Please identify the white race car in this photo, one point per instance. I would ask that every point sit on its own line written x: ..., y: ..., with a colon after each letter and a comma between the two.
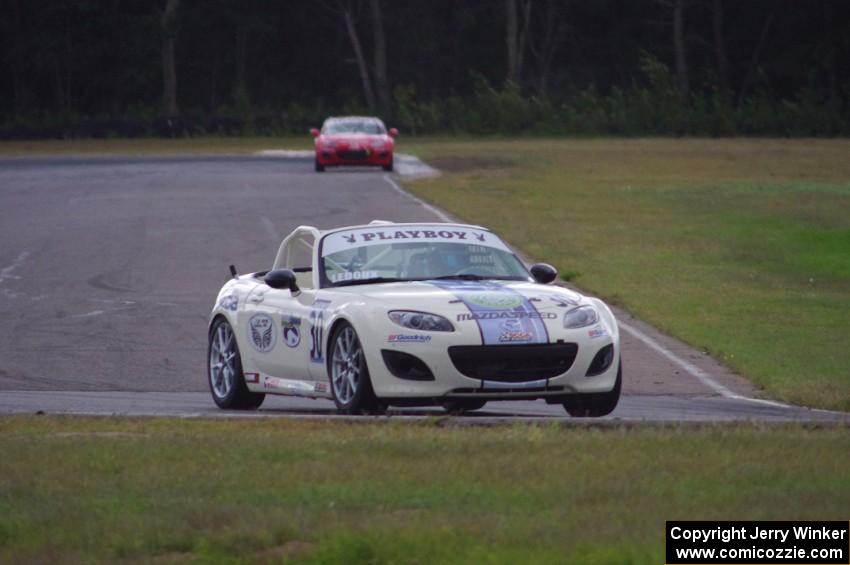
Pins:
x: 410, y: 314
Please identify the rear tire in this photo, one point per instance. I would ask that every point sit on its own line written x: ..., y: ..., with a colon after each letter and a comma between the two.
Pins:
x: 224, y: 371
x: 596, y: 404
x: 319, y: 167
x: 459, y: 407
x: 350, y: 383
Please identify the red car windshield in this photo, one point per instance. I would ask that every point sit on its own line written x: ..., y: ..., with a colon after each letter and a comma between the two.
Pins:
x: 370, y: 127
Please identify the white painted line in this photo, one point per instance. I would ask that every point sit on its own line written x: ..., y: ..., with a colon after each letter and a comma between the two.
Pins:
x: 6, y: 272
x: 436, y: 211
x: 285, y: 153
x: 692, y: 369
x: 89, y: 314
x: 270, y: 229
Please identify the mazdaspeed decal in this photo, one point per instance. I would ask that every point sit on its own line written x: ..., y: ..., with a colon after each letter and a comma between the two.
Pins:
x: 504, y: 316
x: 261, y: 332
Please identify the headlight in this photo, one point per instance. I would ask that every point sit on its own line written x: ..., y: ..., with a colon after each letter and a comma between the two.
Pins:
x: 580, y: 317
x: 328, y: 143
x: 421, y: 321
x: 378, y: 145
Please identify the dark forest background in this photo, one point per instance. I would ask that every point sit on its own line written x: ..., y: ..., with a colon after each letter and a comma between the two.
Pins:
x: 103, y: 68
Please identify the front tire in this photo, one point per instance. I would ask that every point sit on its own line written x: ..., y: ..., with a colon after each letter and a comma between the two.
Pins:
x: 389, y: 167
x: 597, y: 404
x: 320, y: 168
x: 224, y: 371
x: 350, y: 383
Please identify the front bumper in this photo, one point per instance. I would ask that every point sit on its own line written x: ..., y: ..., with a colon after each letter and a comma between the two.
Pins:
x: 472, y: 376
x: 362, y: 157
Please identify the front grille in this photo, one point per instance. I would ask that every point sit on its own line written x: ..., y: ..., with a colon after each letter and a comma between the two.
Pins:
x: 513, y: 363
x: 353, y: 154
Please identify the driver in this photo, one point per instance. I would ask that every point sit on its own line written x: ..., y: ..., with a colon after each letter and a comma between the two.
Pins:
x: 439, y: 260
x: 454, y: 259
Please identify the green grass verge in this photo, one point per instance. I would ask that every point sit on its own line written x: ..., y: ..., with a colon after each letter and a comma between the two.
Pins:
x: 739, y: 247
x: 108, y: 490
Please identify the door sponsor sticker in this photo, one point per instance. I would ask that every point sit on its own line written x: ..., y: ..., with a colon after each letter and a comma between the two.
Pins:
x: 229, y: 302
x: 261, y: 332
x: 291, y: 329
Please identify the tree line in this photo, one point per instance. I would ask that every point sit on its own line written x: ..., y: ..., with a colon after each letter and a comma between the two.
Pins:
x: 636, y: 67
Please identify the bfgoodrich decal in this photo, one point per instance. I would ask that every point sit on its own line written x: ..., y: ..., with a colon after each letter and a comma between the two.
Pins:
x: 408, y: 338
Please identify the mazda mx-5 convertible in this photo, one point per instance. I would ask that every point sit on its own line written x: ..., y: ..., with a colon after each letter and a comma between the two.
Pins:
x: 410, y: 315
x: 354, y: 141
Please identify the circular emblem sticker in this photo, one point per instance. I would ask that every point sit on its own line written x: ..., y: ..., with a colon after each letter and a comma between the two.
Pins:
x: 261, y: 332
x: 494, y: 300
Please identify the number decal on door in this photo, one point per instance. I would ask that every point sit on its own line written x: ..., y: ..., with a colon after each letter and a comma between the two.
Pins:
x: 317, y: 330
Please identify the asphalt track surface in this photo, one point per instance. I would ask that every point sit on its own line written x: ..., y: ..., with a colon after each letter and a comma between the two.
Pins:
x: 109, y: 267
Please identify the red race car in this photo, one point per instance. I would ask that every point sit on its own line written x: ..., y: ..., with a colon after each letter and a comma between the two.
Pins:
x: 354, y: 141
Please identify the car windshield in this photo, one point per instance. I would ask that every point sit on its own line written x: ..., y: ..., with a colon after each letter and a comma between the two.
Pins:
x: 372, y: 127
x: 413, y: 252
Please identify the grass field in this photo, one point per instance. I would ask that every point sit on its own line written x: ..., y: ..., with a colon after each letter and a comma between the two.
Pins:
x: 739, y: 247
x: 166, y: 491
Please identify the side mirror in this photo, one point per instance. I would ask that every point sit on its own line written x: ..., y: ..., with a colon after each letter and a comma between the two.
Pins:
x: 393, y: 132
x: 314, y: 132
x: 543, y: 273
x: 281, y: 278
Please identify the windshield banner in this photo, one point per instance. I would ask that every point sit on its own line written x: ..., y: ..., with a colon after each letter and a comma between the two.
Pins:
x: 378, y: 235
x: 504, y: 316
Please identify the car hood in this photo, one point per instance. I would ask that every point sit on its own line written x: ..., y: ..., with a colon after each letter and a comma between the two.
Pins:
x: 461, y: 296
x: 356, y: 137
